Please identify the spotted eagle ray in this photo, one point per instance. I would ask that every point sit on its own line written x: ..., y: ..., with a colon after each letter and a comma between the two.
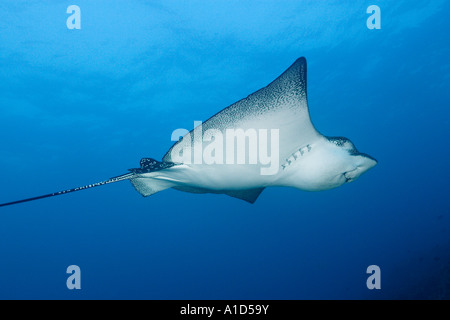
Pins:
x: 307, y: 160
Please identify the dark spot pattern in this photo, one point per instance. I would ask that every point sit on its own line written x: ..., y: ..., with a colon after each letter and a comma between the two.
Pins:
x: 151, y: 165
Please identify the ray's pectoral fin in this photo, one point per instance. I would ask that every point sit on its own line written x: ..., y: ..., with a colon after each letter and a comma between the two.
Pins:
x: 148, y: 185
x: 250, y: 195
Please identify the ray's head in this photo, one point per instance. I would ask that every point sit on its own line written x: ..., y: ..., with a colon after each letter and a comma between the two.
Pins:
x: 326, y: 164
x: 354, y: 163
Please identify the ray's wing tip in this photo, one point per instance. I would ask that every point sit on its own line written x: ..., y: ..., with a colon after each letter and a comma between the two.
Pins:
x: 298, y: 67
x: 300, y: 61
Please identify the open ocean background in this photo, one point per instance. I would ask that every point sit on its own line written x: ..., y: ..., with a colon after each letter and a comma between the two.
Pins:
x: 80, y: 106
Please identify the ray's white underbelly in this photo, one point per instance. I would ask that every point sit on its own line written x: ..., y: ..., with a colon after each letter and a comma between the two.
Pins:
x: 216, y: 177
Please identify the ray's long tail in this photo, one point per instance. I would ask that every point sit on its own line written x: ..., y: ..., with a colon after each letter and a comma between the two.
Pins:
x: 102, y: 183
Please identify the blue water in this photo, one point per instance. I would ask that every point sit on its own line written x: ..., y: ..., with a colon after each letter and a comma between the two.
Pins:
x: 80, y: 106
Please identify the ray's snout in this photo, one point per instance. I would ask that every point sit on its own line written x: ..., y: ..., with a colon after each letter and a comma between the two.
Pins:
x: 368, y: 161
x: 364, y: 163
